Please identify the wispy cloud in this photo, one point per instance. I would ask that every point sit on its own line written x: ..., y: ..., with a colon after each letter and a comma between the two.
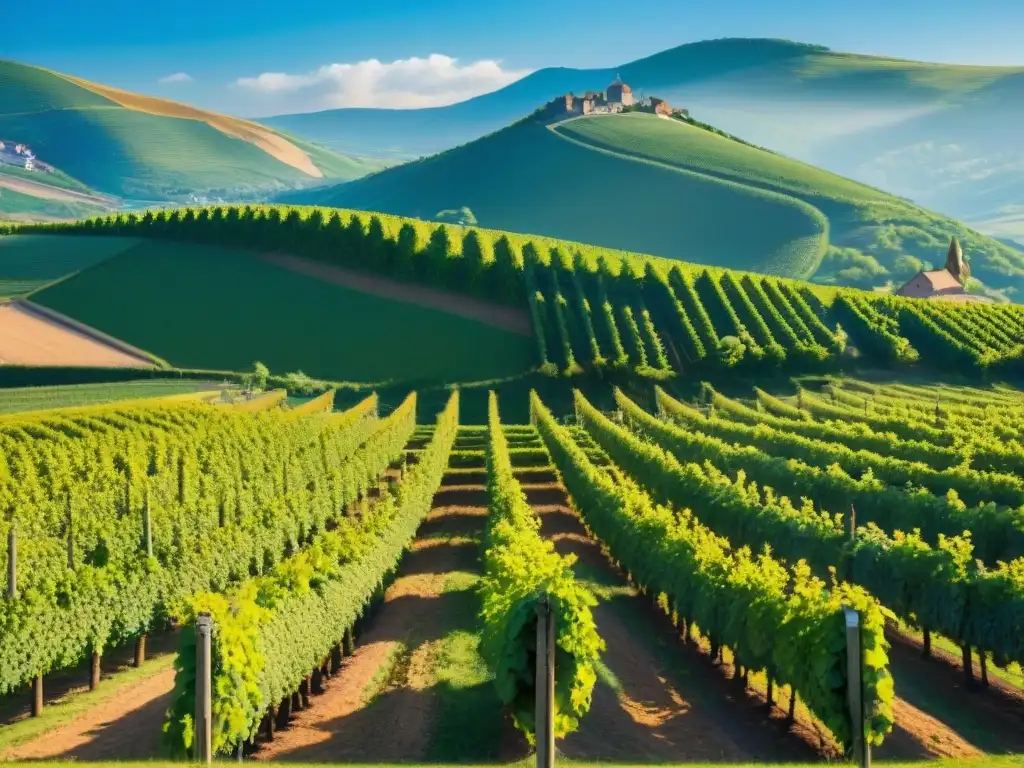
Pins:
x: 177, y: 77
x: 433, y: 81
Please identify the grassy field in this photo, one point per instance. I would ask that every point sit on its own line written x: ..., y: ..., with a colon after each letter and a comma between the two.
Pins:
x: 144, y: 148
x: 642, y: 183
x: 687, y: 146
x: 16, y: 206
x: 52, y: 178
x: 203, y: 307
x: 19, y: 399
x: 28, y: 262
x: 527, y: 179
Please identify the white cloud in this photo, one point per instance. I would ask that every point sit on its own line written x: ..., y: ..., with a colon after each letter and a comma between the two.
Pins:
x: 177, y: 77
x: 433, y: 81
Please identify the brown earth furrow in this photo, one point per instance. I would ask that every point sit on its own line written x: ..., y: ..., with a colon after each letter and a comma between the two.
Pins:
x: 124, y: 727
x: 29, y: 338
x: 916, y: 735
x: 655, y: 710
x: 506, y: 318
x: 382, y: 706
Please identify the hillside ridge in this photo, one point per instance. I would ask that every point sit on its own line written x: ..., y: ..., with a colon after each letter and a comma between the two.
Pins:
x: 145, y: 148
x: 849, y: 234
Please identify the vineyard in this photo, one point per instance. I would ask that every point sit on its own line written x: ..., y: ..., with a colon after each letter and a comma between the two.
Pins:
x: 596, y: 310
x: 743, y: 531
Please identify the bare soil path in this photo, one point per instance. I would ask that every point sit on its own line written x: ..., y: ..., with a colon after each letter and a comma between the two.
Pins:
x: 680, y: 707
x: 28, y: 338
x: 933, y: 717
x: 391, y: 701
x: 48, y: 192
x: 14, y: 707
x: 506, y: 318
x: 658, y: 701
x: 947, y: 717
x: 126, y: 726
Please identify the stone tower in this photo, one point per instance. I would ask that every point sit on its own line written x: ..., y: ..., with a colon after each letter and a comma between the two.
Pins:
x: 955, y: 263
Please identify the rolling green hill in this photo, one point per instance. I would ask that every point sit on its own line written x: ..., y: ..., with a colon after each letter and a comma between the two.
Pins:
x: 528, y: 178
x: 215, y: 308
x: 18, y: 206
x: 184, y: 295
x: 28, y: 262
x: 943, y: 135
x: 642, y: 183
x: 143, y: 148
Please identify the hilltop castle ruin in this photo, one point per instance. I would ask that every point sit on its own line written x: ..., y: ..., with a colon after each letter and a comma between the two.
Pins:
x: 614, y: 99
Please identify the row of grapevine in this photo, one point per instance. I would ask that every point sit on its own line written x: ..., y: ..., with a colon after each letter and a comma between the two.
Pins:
x: 997, y: 395
x: 774, y: 320
x: 780, y: 620
x: 993, y: 497
x: 1004, y: 418
x: 853, y: 435
x: 939, y: 588
x: 964, y: 424
x: 672, y: 315
x: 914, y: 430
x: 119, y: 542
x: 272, y: 630
x: 782, y: 325
x: 720, y: 309
x: 751, y: 318
x: 520, y: 569
x: 834, y: 478
x: 582, y: 306
x: 324, y: 402
x: 970, y: 337
x: 873, y: 331
x: 975, y: 446
x: 682, y: 286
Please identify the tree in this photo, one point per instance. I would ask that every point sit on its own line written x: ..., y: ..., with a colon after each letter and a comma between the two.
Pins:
x: 258, y: 378
x: 477, y: 256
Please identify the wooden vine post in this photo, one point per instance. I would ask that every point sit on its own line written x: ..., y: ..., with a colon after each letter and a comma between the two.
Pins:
x: 12, y: 563
x: 95, y: 669
x: 71, y: 532
x: 147, y: 542
x: 12, y: 594
x: 861, y: 750
x: 37, y: 696
x: 545, y: 685
x: 204, y: 699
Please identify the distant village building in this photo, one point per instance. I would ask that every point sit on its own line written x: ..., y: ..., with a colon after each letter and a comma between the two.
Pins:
x: 620, y: 93
x: 945, y: 284
x: 615, y: 99
x: 20, y: 155
x: 662, y: 107
x: 617, y: 96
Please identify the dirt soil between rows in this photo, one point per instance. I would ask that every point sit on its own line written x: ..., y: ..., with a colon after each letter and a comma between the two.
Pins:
x: 984, y: 720
x: 123, y: 727
x: 383, y: 706
x: 27, y: 338
x: 677, y: 706
x: 506, y: 318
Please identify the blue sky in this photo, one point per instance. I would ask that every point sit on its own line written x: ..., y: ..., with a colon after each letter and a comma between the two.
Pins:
x: 212, y: 53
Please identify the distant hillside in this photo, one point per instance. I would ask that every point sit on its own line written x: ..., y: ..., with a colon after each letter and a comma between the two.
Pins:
x: 653, y: 185
x: 943, y: 135
x: 144, y: 148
